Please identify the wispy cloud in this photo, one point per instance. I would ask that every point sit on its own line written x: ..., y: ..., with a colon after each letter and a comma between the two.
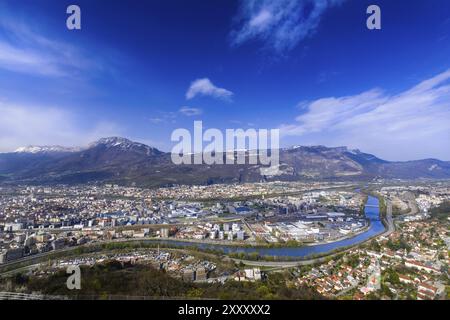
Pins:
x: 23, y: 125
x: 280, y: 24
x: 411, y: 124
x: 156, y: 120
x: 164, y: 117
x: 204, y: 87
x: 171, y: 117
x: 242, y: 123
x: 25, y: 50
x: 190, y: 112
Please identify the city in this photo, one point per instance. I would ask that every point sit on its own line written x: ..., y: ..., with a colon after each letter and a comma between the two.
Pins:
x: 409, y: 262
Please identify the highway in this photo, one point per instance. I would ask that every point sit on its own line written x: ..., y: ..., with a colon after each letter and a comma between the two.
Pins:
x: 389, y: 219
x: 26, y: 296
x: 19, y: 296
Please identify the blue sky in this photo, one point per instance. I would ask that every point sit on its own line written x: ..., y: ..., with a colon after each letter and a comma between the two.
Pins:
x: 141, y: 69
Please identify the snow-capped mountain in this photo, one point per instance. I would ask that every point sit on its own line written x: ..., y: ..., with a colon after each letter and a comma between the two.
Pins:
x: 124, y: 145
x: 111, y: 142
x: 123, y: 161
x: 46, y: 149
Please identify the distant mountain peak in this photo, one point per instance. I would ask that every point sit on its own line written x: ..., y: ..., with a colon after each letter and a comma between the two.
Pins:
x: 121, y: 160
x: 317, y: 148
x: 45, y: 149
x: 125, y: 145
x: 112, y: 142
x: 354, y: 151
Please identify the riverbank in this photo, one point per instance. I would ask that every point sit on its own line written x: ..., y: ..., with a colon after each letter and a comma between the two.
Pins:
x: 265, y: 245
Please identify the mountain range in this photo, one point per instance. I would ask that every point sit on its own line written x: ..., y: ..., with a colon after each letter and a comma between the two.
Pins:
x: 121, y: 161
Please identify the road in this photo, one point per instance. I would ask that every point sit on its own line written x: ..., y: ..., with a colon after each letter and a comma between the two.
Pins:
x: 25, y: 296
x: 34, y: 258
x: 19, y: 296
x: 411, y: 199
x: 389, y: 219
x: 20, y: 270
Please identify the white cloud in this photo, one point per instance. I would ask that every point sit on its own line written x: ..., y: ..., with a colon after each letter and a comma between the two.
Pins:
x: 14, y: 59
x: 188, y: 111
x: 280, y: 24
x: 262, y: 20
x: 410, y: 125
x: 31, y: 125
x: 25, y: 50
x: 204, y: 87
x: 164, y: 117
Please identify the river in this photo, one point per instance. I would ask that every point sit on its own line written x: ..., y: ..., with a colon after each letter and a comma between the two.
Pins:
x: 371, y: 210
